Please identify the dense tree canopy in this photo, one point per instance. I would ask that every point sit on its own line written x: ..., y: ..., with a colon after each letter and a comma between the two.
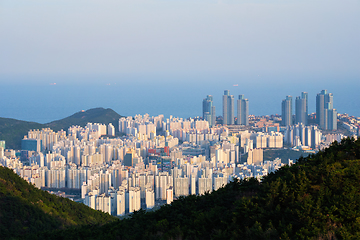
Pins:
x: 25, y: 210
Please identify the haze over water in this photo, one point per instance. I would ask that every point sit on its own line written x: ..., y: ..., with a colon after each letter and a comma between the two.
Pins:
x: 44, y: 102
x: 164, y: 57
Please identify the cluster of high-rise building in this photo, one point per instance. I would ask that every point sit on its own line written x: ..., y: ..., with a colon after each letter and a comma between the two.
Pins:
x: 297, y: 130
x: 301, y: 110
x: 242, y: 114
x: 326, y: 115
x: 301, y: 135
x: 154, y: 160
x: 140, y: 169
x: 242, y: 117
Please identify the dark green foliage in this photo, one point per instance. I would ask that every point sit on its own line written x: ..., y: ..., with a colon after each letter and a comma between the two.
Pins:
x: 317, y: 198
x: 12, y: 130
x: 26, y: 210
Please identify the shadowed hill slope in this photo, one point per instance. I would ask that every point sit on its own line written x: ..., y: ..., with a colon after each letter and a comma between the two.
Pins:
x: 12, y: 131
x: 26, y: 210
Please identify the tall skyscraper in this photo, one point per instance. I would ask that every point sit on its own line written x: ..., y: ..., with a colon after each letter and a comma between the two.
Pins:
x: 320, y: 107
x: 231, y: 114
x: 331, y: 121
x: 228, y: 108
x: 305, y: 95
x: 225, y: 106
x: 326, y: 115
x: 301, y: 106
x: 209, y: 110
x: 286, y: 111
x: 242, y: 111
x: 213, y: 116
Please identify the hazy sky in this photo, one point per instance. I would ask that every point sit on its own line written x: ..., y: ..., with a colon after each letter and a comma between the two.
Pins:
x: 179, y: 51
x: 123, y: 40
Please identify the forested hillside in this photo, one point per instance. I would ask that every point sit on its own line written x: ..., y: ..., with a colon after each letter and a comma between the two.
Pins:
x: 26, y: 210
x: 12, y: 130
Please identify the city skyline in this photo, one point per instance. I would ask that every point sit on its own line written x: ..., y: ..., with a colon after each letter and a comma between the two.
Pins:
x: 205, y: 93
x: 47, y: 103
x: 140, y: 168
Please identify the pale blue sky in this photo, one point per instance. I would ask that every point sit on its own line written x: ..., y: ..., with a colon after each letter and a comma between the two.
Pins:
x: 178, y: 39
x: 165, y: 56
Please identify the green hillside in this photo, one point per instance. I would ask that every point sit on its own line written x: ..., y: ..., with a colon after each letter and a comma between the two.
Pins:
x: 26, y: 210
x: 95, y: 115
x: 316, y: 198
x: 12, y: 130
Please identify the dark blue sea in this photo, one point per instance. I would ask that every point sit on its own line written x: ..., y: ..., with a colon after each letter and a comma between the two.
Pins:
x: 44, y: 101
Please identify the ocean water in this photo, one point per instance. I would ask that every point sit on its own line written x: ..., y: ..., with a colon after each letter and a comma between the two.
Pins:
x: 44, y: 102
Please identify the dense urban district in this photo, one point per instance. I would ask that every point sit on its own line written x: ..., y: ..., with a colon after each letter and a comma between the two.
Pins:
x: 148, y: 161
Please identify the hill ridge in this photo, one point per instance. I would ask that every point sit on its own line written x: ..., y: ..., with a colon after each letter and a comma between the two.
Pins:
x: 13, y: 130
